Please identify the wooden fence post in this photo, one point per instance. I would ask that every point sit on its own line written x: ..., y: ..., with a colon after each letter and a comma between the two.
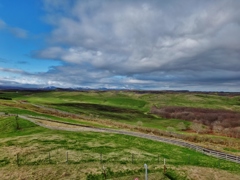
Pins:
x: 49, y: 158
x: 18, y: 159
x: 164, y: 168
x: 100, y: 158
x: 67, y: 157
x: 132, y: 158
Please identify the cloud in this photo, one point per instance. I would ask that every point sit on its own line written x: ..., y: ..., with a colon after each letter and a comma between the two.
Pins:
x: 17, y: 32
x: 148, y: 43
x: 15, y: 71
x: 21, y: 82
x: 2, y: 24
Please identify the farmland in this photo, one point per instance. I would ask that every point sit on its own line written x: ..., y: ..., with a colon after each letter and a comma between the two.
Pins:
x: 89, y: 154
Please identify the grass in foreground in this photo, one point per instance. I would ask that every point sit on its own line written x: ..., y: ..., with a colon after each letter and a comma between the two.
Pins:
x: 38, y: 148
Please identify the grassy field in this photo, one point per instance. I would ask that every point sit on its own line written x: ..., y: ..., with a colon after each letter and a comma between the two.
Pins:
x: 46, y: 151
x: 127, y: 107
x: 124, y: 107
x: 84, y: 154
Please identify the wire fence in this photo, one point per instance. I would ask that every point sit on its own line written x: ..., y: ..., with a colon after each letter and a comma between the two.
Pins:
x: 110, y: 164
x: 207, y: 151
x: 62, y: 156
x: 178, y: 142
x: 72, y: 157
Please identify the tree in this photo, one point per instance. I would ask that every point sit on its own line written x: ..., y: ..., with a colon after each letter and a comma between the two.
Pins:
x: 139, y: 123
x: 181, y: 126
x: 170, y: 129
x: 217, y: 127
x: 226, y: 132
x: 197, y: 126
x: 236, y: 132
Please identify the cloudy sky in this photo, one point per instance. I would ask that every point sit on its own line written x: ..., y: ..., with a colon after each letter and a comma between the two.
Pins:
x: 133, y: 44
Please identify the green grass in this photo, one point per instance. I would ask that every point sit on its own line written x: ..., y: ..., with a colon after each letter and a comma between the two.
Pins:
x: 8, y: 127
x: 140, y: 102
x: 231, y: 150
x: 130, y: 99
x: 107, y: 98
x: 91, y: 144
x: 195, y: 100
x: 123, y: 107
x: 34, y: 143
x: 19, y: 111
x: 104, y: 111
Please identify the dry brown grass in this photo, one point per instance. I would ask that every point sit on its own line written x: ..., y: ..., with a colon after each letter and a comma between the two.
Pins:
x: 43, y: 172
x: 80, y: 171
x: 59, y: 171
x: 202, y: 173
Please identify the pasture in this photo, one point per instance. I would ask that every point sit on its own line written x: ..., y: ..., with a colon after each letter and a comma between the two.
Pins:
x: 31, y: 150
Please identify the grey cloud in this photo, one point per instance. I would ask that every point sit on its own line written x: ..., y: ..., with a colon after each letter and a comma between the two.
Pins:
x: 145, y: 42
x: 75, y: 75
x: 18, y: 71
x: 50, y: 53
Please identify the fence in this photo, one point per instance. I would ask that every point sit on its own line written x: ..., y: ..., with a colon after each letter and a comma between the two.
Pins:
x: 73, y: 157
x: 112, y: 164
x: 206, y: 151
x: 203, y: 150
x: 76, y: 157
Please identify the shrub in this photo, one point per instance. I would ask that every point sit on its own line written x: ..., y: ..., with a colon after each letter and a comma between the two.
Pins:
x: 139, y: 123
x: 181, y: 126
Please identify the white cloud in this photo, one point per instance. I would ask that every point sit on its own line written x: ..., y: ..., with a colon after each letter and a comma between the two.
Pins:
x: 18, y: 32
x: 2, y: 24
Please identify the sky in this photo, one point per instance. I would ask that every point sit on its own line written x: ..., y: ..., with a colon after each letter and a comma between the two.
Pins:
x: 129, y: 44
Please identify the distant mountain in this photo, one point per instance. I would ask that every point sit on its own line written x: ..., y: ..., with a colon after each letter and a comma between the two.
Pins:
x: 11, y: 88
x: 54, y: 88
x: 49, y: 88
